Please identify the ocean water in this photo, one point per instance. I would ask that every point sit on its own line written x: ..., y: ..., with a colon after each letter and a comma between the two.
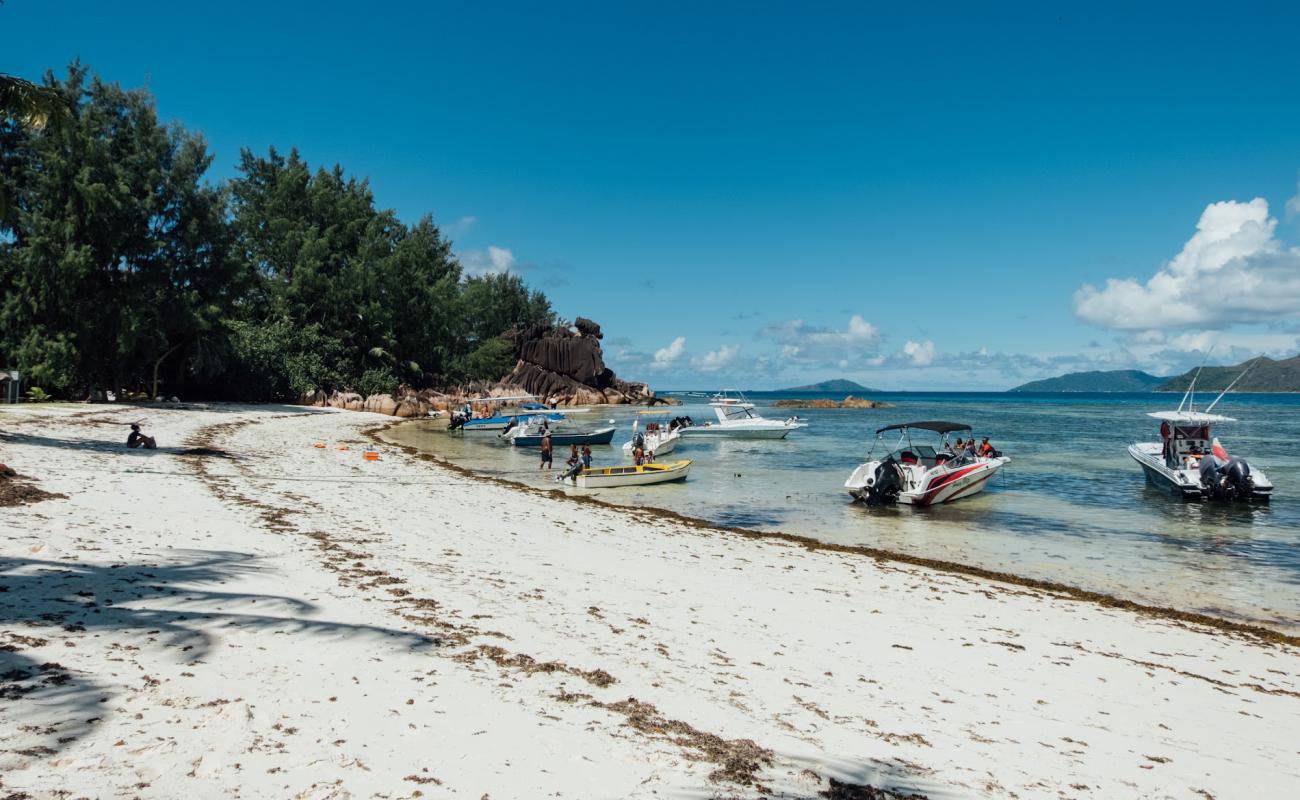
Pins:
x: 1071, y: 507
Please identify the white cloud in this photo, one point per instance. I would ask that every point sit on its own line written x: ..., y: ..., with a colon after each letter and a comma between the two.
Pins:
x: 1293, y: 205
x: 801, y: 342
x: 920, y: 353
x: 461, y: 225
x: 667, y: 356
x: 1233, y: 270
x: 717, y: 359
x: 492, y: 261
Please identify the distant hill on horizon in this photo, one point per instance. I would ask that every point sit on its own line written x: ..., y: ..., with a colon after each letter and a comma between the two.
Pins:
x: 837, y: 385
x: 1115, y: 380
x: 1268, y: 375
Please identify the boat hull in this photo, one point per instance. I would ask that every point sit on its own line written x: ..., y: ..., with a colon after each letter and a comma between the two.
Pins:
x: 933, y: 486
x: 656, y: 445
x: 602, y: 436
x: 501, y: 423
x: 736, y: 432
x: 644, y: 475
x: 1184, y: 483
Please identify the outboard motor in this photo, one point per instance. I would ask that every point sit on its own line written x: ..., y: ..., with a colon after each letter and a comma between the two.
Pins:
x: 1236, y: 478
x: 638, y: 440
x: 571, y: 473
x: 1227, y: 480
x: 883, y: 487
x: 457, y: 422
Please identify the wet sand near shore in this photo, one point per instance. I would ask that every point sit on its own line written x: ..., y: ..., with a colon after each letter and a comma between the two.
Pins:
x: 245, y: 613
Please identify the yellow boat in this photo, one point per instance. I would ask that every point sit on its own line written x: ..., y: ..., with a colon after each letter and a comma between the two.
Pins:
x: 630, y: 475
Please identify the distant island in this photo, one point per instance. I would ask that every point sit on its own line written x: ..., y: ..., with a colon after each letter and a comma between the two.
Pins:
x: 1115, y: 380
x: 835, y: 386
x: 1268, y: 375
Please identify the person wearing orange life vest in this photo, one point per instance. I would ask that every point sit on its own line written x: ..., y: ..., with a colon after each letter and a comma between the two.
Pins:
x: 985, y: 449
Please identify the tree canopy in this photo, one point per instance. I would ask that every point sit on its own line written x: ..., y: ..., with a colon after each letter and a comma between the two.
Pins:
x: 124, y: 267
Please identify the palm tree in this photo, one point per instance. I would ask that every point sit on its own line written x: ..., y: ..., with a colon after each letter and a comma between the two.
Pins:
x: 30, y: 104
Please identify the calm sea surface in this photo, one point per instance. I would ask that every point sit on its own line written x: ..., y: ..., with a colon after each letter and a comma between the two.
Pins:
x: 1071, y: 506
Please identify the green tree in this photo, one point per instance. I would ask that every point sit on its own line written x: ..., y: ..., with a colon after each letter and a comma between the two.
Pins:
x: 115, y: 259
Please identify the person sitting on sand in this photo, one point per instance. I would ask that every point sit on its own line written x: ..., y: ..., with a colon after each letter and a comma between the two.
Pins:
x: 546, y: 451
x: 138, y: 439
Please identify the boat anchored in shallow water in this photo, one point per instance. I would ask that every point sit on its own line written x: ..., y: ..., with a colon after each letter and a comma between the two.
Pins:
x: 660, y: 435
x: 530, y: 432
x: 738, y: 420
x: 922, y: 475
x: 1189, y: 461
x: 642, y: 475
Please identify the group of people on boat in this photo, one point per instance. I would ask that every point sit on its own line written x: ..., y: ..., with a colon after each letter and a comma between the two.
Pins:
x: 982, y: 450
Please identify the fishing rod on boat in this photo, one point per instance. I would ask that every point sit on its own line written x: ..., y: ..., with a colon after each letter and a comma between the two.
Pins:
x: 1248, y: 368
x: 1191, y: 387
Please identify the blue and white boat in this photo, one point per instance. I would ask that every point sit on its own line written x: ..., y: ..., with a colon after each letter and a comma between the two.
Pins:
x: 465, y: 420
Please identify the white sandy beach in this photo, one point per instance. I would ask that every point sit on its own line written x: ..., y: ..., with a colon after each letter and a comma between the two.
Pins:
x: 274, y: 619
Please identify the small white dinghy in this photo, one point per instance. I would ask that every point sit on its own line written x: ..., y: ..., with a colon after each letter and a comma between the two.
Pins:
x: 631, y: 475
x: 659, y: 437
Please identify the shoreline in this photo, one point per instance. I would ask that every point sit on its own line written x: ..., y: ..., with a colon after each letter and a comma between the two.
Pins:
x: 285, y: 619
x: 1253, y: 629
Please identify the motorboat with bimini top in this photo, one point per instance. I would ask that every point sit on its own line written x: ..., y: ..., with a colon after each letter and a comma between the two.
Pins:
x: 530, y: 431
x: 1189, y: 462
x: 738, y: 420
x: 467, y: 419
x: 922, y: 475
x: 659, y: 436
x: 631, y: 475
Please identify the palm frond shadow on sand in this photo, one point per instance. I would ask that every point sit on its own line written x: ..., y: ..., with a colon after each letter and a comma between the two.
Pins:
x: 168, y: 605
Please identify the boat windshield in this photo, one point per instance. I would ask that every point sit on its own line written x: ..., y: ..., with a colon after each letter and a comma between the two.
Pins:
x: 916, y: 454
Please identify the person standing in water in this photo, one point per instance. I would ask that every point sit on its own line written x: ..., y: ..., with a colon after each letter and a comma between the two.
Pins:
x: 586, y: 456
x: 546, y: 451
x: 574, y: 458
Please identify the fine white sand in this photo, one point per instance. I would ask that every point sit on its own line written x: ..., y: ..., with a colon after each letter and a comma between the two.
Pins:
x: 294, y: 621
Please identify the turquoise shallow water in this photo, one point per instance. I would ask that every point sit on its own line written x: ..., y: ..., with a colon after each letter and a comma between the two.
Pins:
x: 1071, y: 506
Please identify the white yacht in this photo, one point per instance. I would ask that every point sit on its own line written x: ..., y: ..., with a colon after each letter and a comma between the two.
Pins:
x: 738, y: 420
x: 1189, y: 461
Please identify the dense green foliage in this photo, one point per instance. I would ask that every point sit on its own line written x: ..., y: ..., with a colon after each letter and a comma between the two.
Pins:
x: 123, y: 268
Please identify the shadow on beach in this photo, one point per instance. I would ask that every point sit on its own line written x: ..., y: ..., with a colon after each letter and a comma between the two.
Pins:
x: 147, y: 606
x: 101, y: 445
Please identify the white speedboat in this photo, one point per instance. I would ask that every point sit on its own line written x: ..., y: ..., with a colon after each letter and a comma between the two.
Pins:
x: 660, y: 435
x: 643, y: 475
x: 922, y: 475
x: 738, y: 420
x: 1189, y: 461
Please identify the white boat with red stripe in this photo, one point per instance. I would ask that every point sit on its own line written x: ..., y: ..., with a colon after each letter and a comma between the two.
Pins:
x: 923, y: 474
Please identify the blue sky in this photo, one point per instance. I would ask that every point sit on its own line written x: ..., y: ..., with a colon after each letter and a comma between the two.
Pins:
x: 763, y: 194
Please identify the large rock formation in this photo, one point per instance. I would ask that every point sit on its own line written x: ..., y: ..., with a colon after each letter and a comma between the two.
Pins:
x: 557, y: 364
x: 568, y: 367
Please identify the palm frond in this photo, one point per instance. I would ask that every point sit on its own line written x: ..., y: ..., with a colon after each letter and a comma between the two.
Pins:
x: 30, y: 104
